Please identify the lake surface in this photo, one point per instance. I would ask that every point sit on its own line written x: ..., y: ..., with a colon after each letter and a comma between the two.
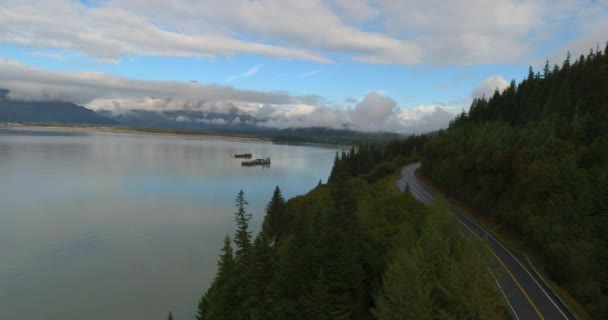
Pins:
x: 98, y: 225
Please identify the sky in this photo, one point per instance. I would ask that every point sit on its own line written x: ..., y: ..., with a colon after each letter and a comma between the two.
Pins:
x: 373, y: 65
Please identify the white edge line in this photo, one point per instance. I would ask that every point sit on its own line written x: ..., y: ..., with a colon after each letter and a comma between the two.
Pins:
x: 503, y: 293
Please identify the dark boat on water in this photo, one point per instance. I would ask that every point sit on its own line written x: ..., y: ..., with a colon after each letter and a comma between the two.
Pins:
x: 243, y: 155
x: 256, y: 162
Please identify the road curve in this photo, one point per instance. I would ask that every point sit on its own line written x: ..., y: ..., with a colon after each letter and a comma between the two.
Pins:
x: 526, y: 297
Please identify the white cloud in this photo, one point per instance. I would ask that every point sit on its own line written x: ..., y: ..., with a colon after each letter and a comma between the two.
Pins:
x: 357, y: 10
x: 488, y: 86
x: 351, y: 100
x: 48, y: 55
x: 309, y: 73
x: 26, y: 82
x: 97, y: 91
x: 466, y: 31
x: 595, y: 34
x: 196, y: 29
x: 373, y: 31
x: 249, y: 73
x: 427, y: 118
x: 373, y: 112
x: 303, y: 24
x: 109, y: 32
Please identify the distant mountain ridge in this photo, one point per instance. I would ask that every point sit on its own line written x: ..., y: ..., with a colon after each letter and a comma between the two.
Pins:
x: 48, y: 112
x: 177, y: 121
x: 184, y: 119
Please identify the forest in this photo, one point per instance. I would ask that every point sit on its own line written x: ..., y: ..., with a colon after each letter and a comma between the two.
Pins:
x: 352, y: 248
x: 535, y: 158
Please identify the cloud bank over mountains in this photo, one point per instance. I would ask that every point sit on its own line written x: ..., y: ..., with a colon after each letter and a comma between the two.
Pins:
x: 118, y: 95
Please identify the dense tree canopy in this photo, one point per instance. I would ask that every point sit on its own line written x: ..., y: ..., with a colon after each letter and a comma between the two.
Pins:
x: 441, y: 275
x: 535, y: 156
x: 323, y: 255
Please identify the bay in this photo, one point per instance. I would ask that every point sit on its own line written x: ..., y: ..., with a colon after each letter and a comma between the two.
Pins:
x: 98, y: 225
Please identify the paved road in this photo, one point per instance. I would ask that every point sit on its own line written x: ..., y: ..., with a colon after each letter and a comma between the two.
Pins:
x: 525, y: 296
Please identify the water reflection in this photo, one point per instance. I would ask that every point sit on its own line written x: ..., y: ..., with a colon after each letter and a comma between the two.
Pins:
x: 100, y: 225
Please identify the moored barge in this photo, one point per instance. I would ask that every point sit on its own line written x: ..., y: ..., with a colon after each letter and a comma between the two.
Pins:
x: 256, y: 162
x: 243, y: 155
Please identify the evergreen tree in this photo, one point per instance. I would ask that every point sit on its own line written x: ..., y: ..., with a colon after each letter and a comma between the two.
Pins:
x: 406, y: 291
x: 332, y: 173
x: 342, y: 193
x: 170, y: 316
x: 564, y: 104
x: 242, y: 238
x: 218, y: 301
x: 442, y: 276
x: 530, y: 73
x: 226, y: 264
x: 264, y: 299
x: 566, y: 65
x: 276, y: 220
x: 338, y: 246
x: 203, y: 307
x: 317, y: 302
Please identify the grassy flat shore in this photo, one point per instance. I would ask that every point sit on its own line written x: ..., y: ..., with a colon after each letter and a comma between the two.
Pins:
x: 141, y: 131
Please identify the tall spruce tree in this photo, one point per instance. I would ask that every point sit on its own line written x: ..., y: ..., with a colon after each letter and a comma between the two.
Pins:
x: 202, y: 310
x: 218, y: 301
x: 242, y: 237
x: 317, y: 302
x: 276, y: 220
x: 264, y: 296
x: 338, y: 245
x: 333, y: 169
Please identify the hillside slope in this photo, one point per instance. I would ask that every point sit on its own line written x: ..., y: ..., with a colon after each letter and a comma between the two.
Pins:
x: 353, y: 248
x: 536, y: 158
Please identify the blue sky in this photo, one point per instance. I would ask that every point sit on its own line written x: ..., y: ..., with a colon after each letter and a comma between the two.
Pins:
x: 397, y: 65
x: 408, y: 85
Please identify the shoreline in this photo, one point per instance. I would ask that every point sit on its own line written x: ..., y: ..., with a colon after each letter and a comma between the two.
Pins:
x: 145, y: 132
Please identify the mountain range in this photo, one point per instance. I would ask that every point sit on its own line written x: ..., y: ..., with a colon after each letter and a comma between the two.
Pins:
x: 58, y: 112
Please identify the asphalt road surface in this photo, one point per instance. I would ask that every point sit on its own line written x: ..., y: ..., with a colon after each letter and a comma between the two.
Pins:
x: 525, y: 294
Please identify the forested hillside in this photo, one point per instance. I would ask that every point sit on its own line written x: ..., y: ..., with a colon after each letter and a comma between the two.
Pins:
x: 535, y: 156
x: 353, y: 248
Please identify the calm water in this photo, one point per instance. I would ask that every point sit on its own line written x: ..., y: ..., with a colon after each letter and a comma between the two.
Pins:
x: 116, y: 226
